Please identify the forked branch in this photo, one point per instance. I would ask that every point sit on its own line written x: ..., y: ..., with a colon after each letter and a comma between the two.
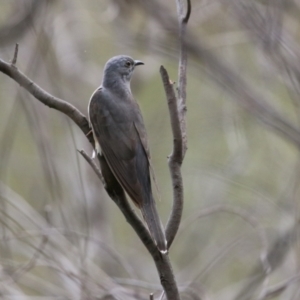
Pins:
x: 177, y: 111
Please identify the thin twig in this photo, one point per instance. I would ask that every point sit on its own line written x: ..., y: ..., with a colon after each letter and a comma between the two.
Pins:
x: 19, y: 21
x: 93, y: 165
x: 279, y: 288
x: 14, y: 60
x: 188, y: 12
x: 275, y: 256
x: 243, y: 214
x: 31, y: 263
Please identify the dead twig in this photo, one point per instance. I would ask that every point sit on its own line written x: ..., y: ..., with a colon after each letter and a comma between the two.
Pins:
x: 177, y: 111
x: 182, y: 69
x: 20, y: 20
x: 93, y: 165
x: 14, y: 60
x: 175, y: 159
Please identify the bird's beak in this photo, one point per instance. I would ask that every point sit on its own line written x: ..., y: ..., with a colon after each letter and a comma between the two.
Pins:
x: 138, y: 62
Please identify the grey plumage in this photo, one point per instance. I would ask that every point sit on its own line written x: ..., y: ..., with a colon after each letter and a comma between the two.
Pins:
x: 121, y: 139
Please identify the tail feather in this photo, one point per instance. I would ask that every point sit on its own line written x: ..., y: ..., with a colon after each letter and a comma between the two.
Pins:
x: 155, y: 226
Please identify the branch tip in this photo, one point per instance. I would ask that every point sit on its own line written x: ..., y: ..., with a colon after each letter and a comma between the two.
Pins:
x: 188, y: 12
x: 162, y: 69
x: 14, y: 60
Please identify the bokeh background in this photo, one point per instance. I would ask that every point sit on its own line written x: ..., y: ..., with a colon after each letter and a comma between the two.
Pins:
x: 61, y: 237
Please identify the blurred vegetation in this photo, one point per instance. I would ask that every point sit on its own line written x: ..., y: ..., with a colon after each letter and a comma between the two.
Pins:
x: 61, y: 236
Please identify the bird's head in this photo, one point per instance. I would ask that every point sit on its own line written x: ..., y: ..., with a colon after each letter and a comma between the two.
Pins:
x: 121, y: 66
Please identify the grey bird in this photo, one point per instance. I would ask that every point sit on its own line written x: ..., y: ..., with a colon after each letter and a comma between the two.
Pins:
x: 121, y: 141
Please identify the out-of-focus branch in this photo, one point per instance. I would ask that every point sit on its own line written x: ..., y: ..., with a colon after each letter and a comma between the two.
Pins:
x: 14, y: 60
x: 243, y: 93
x: 279, y: 47
x: 53, y: 102
x: 18, y: 23
x: 93, y: 165
x: 243, y: 214
x: 274, y: 257
x: 279, y: 288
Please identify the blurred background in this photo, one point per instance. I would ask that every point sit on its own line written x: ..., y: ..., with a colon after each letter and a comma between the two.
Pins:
x: 61, y: 237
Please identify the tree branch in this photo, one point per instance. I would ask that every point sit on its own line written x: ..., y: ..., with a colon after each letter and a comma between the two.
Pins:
x: 182, y: 68
x: 177, y: 111
x: 14, y: 60
x: 175, y: 159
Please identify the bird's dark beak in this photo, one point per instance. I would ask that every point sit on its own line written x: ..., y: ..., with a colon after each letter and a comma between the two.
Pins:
x: 138, y: 62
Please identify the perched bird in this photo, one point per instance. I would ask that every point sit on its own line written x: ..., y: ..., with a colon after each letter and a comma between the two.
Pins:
x: 121, y: 141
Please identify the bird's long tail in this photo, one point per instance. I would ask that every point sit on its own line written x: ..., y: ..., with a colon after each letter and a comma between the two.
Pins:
x: 154, y: 224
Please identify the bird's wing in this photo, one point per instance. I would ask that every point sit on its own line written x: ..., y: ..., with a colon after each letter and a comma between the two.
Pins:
x: 121, y: 144
x: 140, y: 128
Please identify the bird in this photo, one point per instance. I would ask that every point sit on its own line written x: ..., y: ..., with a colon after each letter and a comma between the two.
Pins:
x: 121, y: 141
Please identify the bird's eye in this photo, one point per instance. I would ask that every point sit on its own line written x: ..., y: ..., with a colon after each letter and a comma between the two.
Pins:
x: 128, y: 63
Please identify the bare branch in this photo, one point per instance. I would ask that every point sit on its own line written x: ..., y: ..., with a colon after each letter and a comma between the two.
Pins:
x: 174, y: 116
x: 93, y: 165
x: 275, y: 256
x: 31, y: 263
x: 182, y: 68
x: 175, y: 159
x: 188, y: 12
x: 14, y: 60
x: 243, y: 214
